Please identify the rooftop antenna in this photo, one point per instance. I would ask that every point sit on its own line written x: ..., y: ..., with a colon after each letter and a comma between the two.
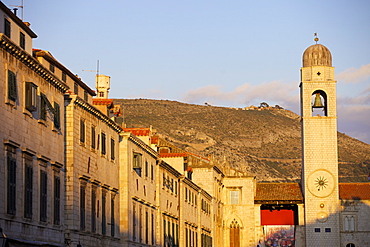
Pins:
x: 97, y: 70
x: 316, y: 38
x: 18, y: 6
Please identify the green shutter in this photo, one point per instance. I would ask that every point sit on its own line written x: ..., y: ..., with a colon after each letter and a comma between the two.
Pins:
x: 56, y: 115
x: 12, y: 86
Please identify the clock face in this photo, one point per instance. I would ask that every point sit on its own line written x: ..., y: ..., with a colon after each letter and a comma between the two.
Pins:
x: 321, y: 183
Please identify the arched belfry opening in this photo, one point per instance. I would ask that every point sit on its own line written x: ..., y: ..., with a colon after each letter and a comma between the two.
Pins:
x: 319, y: 104
x: 234, y: 234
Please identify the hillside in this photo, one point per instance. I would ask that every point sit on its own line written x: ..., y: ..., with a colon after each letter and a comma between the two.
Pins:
x: 266, y: 143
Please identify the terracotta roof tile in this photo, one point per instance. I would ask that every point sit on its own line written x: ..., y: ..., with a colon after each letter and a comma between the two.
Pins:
x: 278, y: 192
x: 172, y: 155
x: 138, y: 131
x: 102, y: 101
x: 354, y: 191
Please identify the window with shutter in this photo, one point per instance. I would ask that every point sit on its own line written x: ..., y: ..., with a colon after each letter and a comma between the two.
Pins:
x: 43, y: 195
x: 56, y: 115
x: 31, y: 96
x: 11, y: 193
x: 112, y: 149
x: 103, y: 220
x: 93, y: 209
x: 82, y: 131
x: 52, y: 67
x: 64, y: 76
x: 82, y: 207
x: 7, y: 27
x: 28, y: 187
x: 112, y: 217
x: 22, y: 40
x: 12, y: 86
x: 103, y: 144
x: 93, y: 137
x: 56, y: 200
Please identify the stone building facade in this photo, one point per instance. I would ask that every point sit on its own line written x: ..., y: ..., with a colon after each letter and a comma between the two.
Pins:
x: 72, y: 175
x: 32, y: 140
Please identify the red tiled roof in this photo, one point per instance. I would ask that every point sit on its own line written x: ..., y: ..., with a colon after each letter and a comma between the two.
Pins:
x: 102, y: 101
x: 172, y: 155
x: 138, y: 131
x: 195, y: 155
x: 278, y: 192
x: 354, y: 191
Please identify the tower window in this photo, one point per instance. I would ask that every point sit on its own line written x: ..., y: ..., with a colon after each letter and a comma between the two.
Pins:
x: 319, y: 103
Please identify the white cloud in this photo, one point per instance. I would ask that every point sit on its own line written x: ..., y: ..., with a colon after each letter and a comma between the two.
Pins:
x: 274, y: 92
x: 353, y: 75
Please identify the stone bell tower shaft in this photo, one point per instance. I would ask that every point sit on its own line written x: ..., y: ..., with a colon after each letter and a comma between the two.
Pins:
x: 319, y: 147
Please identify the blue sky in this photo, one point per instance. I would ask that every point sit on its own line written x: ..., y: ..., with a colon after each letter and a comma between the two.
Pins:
x: 233, y: 53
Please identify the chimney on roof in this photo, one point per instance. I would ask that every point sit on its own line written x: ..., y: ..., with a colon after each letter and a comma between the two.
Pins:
x: 15, y: 11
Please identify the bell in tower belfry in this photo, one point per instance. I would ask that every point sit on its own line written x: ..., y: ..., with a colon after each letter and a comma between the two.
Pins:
x: 317, y: 103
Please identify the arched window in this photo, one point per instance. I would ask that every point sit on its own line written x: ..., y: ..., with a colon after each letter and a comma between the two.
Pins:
x: 319, y: 103
x: 352, y: 224
x: 350, y: 245
x: 346, y: 224
x: 234, y: 234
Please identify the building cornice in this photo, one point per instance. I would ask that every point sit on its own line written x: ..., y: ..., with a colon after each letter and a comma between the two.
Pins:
x: 31, y: 62
x: 95, y: 112
x: 133, y: 138
x: 48, y: 57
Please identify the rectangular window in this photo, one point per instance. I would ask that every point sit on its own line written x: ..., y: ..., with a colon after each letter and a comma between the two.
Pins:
x: 140, y: 224
x: 31, y: 96
x: 76, y: 88
x: 112, y: 149
x: 22, y: 40
x: 64, y: 76
x: 86, y: 96
x: 137, y: 163
x: 146, y: 169
x: 93, y: 141
x: 43, y: 195
x: 12, y: 178
x: 56, y: 115
x: 146, y: 227
x: 51, y: 67
x: 45, y: 103
x: 43, y: 109
x: 234, y: 197
x: 82, y: 207
x: 317, y: 230
x: 56, y: 200
x: 103, y: 144
x: 137, y: 160
x: 152, y: 231
x: 82, y: 131
x: 151, y: 172
x: 112, y: 217
x: 93, y: 209
x: 12, y: 86
x: 134, y: 222
x: 103, y: 220
x: 28, y: 187
x: 7, y: 27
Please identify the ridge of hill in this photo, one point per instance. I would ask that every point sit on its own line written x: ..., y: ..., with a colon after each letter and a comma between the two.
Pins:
x: 263, y: 142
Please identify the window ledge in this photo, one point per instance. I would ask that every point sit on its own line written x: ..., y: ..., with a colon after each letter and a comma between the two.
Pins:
x: 43, y: 122
x: 27, y: 113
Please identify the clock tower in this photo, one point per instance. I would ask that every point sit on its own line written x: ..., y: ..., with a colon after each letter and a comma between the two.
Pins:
x: 319, y: 147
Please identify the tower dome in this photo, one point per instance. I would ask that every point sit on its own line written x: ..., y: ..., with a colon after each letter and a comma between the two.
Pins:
x: 316, y: 55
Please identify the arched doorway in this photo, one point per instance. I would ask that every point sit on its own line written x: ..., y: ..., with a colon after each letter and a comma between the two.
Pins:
x: 234, y: 234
